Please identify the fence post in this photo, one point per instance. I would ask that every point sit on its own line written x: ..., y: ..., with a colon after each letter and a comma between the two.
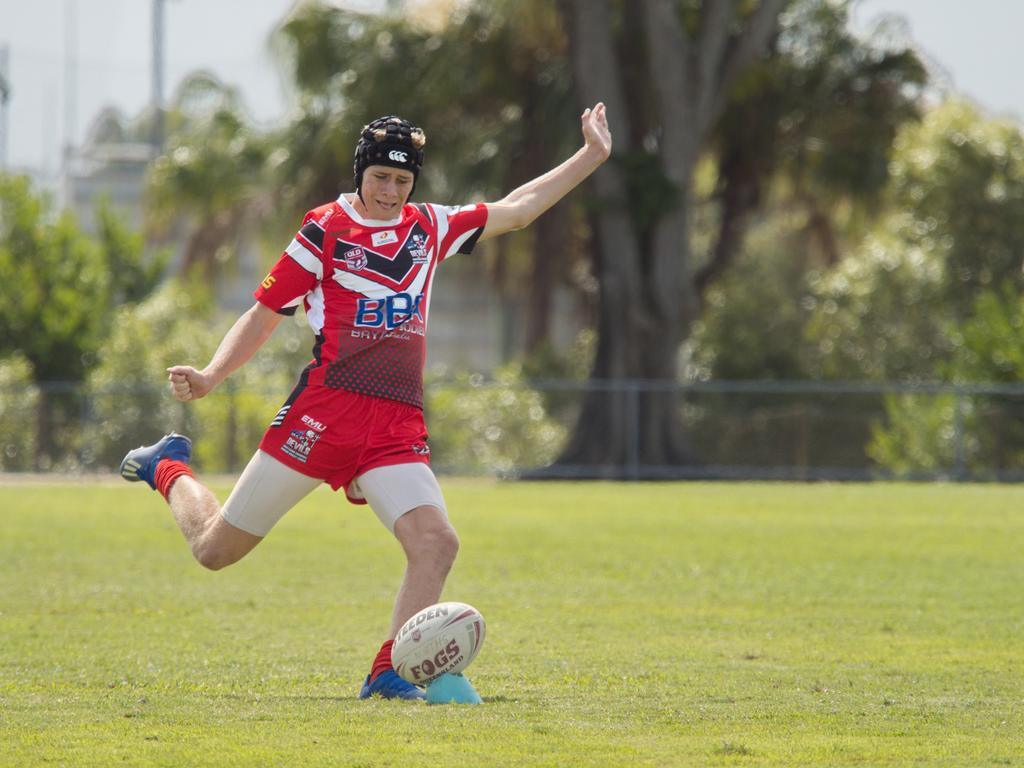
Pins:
x: 959, y: 459
x: 84, y: 412
x: 633, y: 417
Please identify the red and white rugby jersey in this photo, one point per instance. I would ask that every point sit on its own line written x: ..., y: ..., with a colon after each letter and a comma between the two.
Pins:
x: 365, y: 285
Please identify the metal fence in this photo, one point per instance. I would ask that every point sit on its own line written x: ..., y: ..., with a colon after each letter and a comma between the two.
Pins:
x: 735, y: 430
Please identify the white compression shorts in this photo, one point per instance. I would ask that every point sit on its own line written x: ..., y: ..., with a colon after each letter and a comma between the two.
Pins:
x: 398, y: 488
x: 267, y: 489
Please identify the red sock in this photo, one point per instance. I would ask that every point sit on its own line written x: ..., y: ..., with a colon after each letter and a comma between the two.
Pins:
x: 167, y: 471
x: 383, y: 661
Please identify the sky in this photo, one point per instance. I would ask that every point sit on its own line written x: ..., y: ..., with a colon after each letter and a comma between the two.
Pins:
x: 974, y: 45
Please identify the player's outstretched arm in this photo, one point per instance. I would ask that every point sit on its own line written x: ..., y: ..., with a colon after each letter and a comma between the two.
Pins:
x: 246, y: 336
x: 521, y: 206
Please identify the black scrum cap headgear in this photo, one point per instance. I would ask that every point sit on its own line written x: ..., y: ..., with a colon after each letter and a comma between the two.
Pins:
x: 389, y: 141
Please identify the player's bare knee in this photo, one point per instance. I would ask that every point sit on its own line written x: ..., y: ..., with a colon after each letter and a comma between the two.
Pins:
x: 214, y: 557
x: 438, y: 544
x: 447, y: 545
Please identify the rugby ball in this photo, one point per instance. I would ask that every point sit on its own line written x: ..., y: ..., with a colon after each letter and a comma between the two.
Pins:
x: 441, y: 638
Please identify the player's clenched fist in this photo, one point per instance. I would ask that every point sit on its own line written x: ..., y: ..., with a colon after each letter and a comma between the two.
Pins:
x: 186, y: 383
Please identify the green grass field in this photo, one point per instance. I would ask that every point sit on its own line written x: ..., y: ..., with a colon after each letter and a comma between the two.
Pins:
x: 628, y: 625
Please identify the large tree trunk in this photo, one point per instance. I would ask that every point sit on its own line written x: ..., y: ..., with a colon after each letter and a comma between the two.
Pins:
x: 738, y: 199
x: 550, y: 233
x: 630, y: 422
x: 550, y: 249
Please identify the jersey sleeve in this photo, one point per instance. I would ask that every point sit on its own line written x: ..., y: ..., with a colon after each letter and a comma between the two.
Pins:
x: 459, y: 227
x: 297, y: 272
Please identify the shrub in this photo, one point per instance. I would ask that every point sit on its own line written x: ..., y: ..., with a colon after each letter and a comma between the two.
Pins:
x: 19, y: 398
x: 494, y: 426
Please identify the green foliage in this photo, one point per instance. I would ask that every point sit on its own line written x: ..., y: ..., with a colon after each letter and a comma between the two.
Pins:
x: 840, y: 101
x: 210, y: 169
x: 132, y: 405
x: 990, y: 344
x: 641, y: 624
x: 917, y: 437
x: 574, y: 362
x: 817, y: 120
x: 892, y: 308
x: 490, y: 426
x: 924, y: 433
x: 909, y: 303
x: 899, y: 305
x: 53, y: 312
x: 754, y: 319
x: 650, y: 193
x: 879, y: 314
x: 951, y: 436
x: 19, y: 398
x: 807, y: 139
x: 546, y: 364
x: 960, y: 179
x: 67, y: 285
x: 132, y: 275
x: 130, y: 401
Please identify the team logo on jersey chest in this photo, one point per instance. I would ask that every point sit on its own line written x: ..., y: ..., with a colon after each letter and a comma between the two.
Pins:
x: 418, y: 249
x: 394, y: 270
x: 355, y: 258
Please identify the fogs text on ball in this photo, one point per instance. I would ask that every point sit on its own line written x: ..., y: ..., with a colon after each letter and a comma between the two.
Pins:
x: 442, y: 638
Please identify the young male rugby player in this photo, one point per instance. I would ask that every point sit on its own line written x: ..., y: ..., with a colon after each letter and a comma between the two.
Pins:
x: 362, y: 267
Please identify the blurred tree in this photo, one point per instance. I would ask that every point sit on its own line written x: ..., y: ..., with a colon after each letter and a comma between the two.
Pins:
x: 990, y: 348
x: 18, y: 396
x: 110, y: 127
x: 990, y: 345
x: 960, y: 177
x: 818, y: 120
x: 950, y: 230
x: 933, y: 294
x: 754, y: 317
x: 803, y: 151
x: 981, y: 436
x: 64, y: 284
x: 64, y: 288
x: 964, y: 435
x: 666, y: 70
x: 496, y: 427
x: 213, y: 175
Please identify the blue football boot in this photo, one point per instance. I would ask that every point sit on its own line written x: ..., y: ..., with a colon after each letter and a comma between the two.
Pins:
x: 389, y: 685
x: 140, y: 463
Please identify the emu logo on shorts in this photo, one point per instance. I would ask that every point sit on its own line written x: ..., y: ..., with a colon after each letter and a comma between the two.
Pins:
x: 398, y: 157
x: 299, y: 443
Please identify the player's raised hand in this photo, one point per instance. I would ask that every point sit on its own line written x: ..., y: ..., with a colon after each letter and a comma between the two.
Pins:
x: 596, y: 133
x: 187, y: 383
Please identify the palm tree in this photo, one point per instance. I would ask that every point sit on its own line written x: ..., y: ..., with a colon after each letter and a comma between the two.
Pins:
x: 213, y: 174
